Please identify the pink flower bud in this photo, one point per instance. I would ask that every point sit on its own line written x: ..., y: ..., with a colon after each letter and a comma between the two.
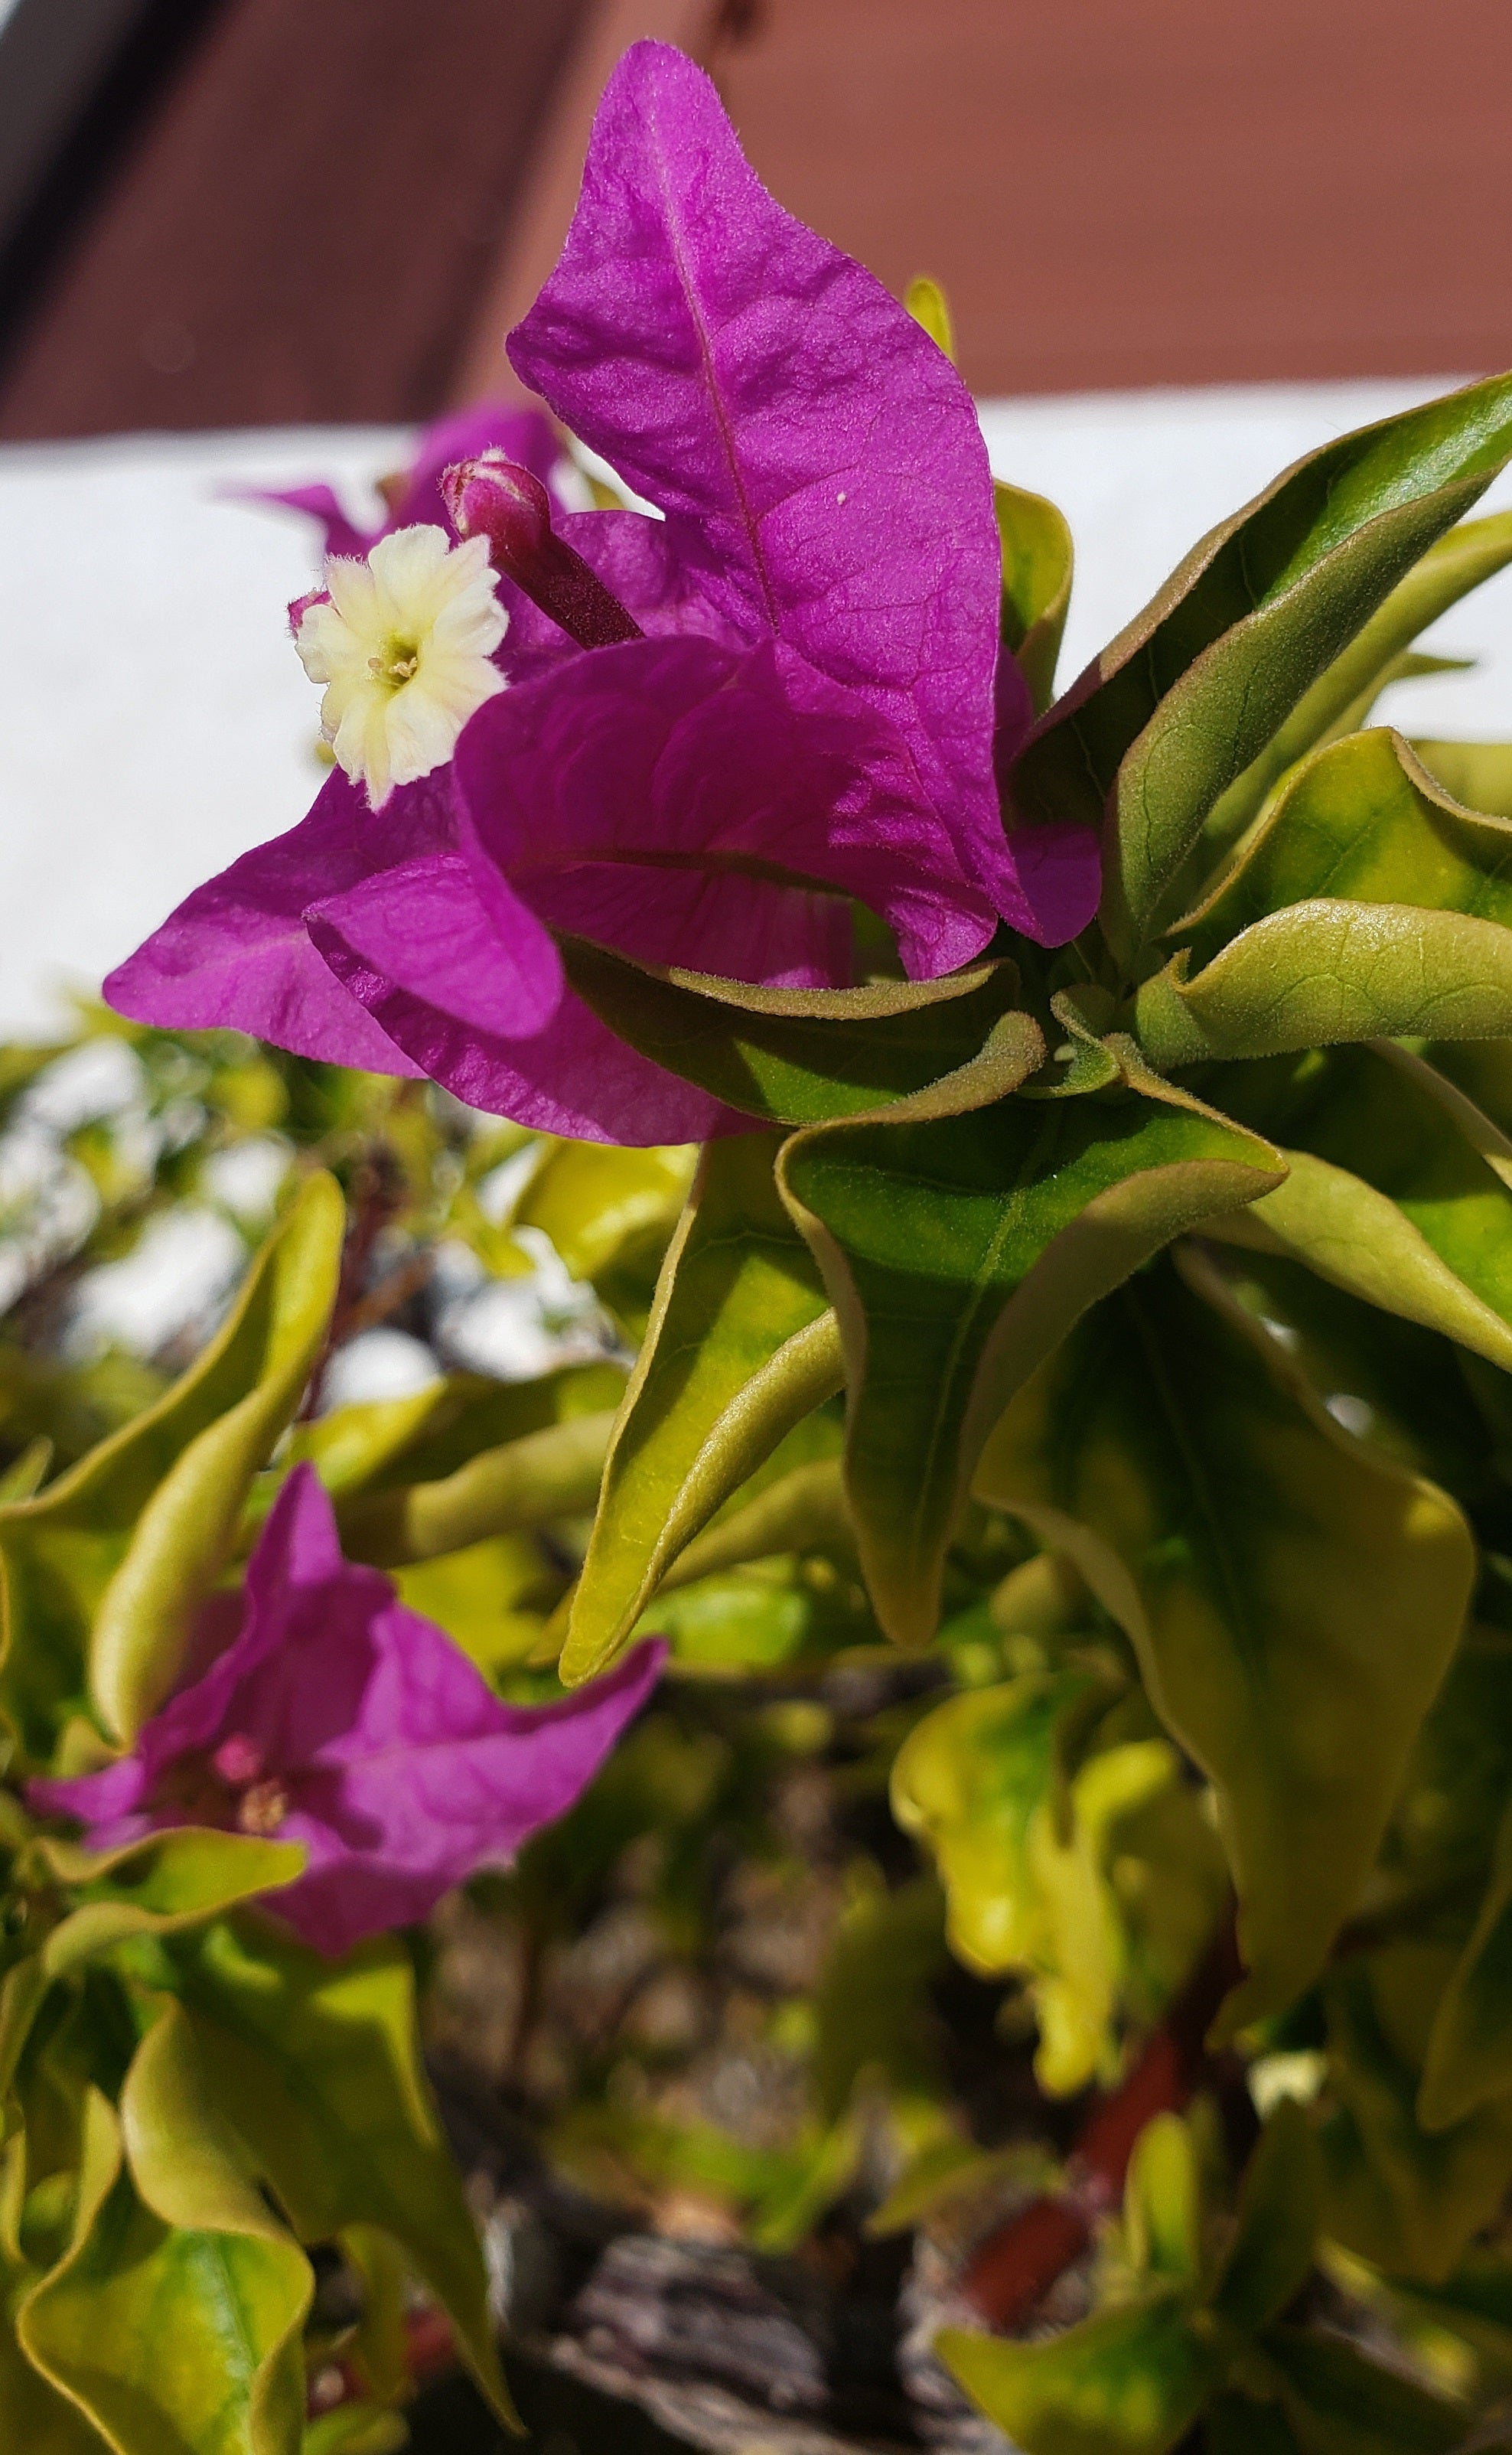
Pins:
x: 497, y: 499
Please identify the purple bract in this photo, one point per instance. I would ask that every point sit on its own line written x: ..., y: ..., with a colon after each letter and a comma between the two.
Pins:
x: 809, y: 717
x: 341, y: 1720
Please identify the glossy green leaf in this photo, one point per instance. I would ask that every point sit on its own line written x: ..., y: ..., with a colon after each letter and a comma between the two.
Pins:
x: 162, y: 1885
x: 1271, y: 2254
x: 1359, y: 1238
x: 1293, y: 1596
x: 1038, y: 560
x: 1129, y: 2382
x: 1477, y: 774
x: 958, y: 1251
x: 740, y: 1348
x: 1389, y: 1135
x: 175, y: 2342
x: 1186, y: 697
x: 554, y: 1472
x: 1026, y: 1870
x: 1459, y: 563
x: 1407, y: 2198
x: 1468, y: 2061
x: 106, y: 1568
x: 797, y: 1056
x: 1363, y: 820
x: 1340, y: 2403
x: 316, y: 2067
x: 1330, y: 970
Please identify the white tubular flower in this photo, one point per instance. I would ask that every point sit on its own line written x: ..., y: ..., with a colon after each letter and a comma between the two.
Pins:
x: 402, y: 643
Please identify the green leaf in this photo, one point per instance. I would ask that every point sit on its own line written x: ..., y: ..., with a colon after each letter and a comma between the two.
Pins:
x: 1294, y: 1597
x: 1163, y: 2203
x: 316, y: 2067
x: 104, y: 1570
x: 1037, y: 560
x: 740, y: 1348
x: 1128, y: 2381
x: 609, y: 1213
x: 958, y: 1251
x: 1448, y: 571
x: 976, y: 1781
x: 21, y: 1993
x: 1331, y: 970
x: 1237, y: 2426
x: 1407, y: 2198
x: 163, y: 1885
x: 1469, y: 2054
x: 173, y: 2342
x: 1186, y: 697
x: 797, y: 1056
x: 1399, y: 1157
x: 1477, y: 774
x: 1271, y: 2254
x: 1361, y: 1240
x: 927, y: 304
x: 1338, y: 2403
x: 554, y: 1472
x: 805, y: 1510
x: 1363, y: 820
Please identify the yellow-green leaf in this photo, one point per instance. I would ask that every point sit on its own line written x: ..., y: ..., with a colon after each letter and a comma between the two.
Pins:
x: 1129, y: 2382
x: 738, y: 1349
x: 317, y: 2068
x: 976, y: 1781
x: 553, y: 1472
x: 163, y: 1885
x: 1459, y: 563
x: 106, y: 1569
x: 168, y: 2337
x: 1037, y: 560
x: 927, y: 304
x: 1187, y: 696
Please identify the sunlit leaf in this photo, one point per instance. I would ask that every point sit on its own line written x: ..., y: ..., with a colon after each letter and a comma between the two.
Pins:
x: 170, y: 2338
x: 609, y: 1213
x: 976, y: 1781
x: 1163, y: 2203
x: 162, y: 1885
x: 1341, y: 2402
x: 106, y: 1568
x: 1037, y: 560
x: 553, y: 1472
x: 740, y: 1348
x: 1448, y: 571
x: 1128, y: 2381
x: 1182, y: 703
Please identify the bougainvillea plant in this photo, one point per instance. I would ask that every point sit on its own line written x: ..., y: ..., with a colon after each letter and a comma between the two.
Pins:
x: 1094, y: 1287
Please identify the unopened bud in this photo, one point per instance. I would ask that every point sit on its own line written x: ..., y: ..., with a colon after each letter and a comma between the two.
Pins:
x: 497, y: 499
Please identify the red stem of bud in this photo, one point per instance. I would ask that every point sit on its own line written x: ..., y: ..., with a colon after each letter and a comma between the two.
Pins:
x: 1014, y: 2268
x: 500, y: 501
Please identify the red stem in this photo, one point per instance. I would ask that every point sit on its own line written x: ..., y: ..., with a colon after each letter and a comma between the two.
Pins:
x: 1014, y: 2268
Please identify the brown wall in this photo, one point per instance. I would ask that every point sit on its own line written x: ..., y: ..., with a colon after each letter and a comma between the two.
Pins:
x: 1147, y: 192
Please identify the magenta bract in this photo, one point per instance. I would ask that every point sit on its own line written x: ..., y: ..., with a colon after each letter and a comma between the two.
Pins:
x: 809, y: 717
x: 341, y: 1720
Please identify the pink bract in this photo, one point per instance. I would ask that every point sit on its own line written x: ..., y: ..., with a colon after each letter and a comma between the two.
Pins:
x: 341, y: 1720
x: 810, y: 717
